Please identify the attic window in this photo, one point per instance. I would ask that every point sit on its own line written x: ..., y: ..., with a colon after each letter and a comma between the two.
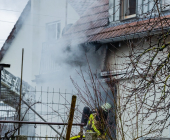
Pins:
x: 53, y: 30
x: 128, y: 9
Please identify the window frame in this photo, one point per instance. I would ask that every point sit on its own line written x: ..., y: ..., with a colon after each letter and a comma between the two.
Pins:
x: 123, y: 8
x: 57, y: 30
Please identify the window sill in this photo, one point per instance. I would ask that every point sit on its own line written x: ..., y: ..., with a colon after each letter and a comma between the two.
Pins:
x: 129, y: 17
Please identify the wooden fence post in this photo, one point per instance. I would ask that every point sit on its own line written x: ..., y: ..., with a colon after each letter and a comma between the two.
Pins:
x: 70, y: 121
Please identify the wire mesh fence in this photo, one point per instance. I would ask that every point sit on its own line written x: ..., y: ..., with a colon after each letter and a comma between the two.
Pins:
x: 53, y: 106
x: 38, y: 106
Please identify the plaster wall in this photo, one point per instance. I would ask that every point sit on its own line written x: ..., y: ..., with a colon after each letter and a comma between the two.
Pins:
x: 33, y: 34
x: 44, y: 12
x: 13, y: 56
x: 118, y: 59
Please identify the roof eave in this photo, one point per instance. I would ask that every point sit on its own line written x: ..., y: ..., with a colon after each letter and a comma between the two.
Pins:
x: 131, y: 36
x: 15, y: 30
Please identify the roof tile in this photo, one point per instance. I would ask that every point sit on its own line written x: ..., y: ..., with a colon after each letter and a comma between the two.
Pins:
x: 81, y: 5
x: 94, y: 24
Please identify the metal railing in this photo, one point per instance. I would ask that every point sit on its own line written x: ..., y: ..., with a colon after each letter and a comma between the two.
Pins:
x: 33, y: 138
x: 41, y: 138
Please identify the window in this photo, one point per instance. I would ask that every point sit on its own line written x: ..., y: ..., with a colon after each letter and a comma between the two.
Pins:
x: 128, y: 9
x: 53, y: 30
x: 165, y: 4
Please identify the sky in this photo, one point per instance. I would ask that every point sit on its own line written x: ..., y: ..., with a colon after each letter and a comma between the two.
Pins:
x: 10, y: 11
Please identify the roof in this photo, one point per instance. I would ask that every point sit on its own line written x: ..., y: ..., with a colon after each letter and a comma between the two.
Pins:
x: 81, y: 5
x: 75, y: 3
x: 93, y: 26
x: 134, y: 29
x: 92, y: 22
x: 15, y: 29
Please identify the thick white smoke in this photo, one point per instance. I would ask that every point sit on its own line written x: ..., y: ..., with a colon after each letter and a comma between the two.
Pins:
x: 50, y: 63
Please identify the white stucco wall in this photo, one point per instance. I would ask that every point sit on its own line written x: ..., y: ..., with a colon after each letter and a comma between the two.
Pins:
x: 13, y: 56
x: 32, y: 35
x: 44, y: 12
x: 118, y: 59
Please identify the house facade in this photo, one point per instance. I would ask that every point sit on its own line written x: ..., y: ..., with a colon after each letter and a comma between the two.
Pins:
x: 111, y: 33
x: 127, y: 29
x: 39, y: 30
x: 40, y: 24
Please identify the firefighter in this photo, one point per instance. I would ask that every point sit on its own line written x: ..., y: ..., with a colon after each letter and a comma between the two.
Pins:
x: 85, y: 116
x: 76, y: 137
x: 96, y: 119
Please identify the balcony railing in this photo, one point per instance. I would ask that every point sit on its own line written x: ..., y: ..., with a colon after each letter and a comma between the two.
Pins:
x: 48, y: 56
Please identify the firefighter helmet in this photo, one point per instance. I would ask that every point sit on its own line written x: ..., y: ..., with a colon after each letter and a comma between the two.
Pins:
x: 106, y: 107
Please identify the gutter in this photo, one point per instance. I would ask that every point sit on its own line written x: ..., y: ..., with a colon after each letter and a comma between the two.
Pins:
x: 133, y: 36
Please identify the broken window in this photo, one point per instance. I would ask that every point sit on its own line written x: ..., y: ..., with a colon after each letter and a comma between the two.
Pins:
x: 53, y: 30
x: 128, y: 8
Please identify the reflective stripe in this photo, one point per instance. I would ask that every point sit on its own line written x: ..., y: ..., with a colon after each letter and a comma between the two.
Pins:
x: 91, y: 120
x: 76, y: 137
x: 89, y: 131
